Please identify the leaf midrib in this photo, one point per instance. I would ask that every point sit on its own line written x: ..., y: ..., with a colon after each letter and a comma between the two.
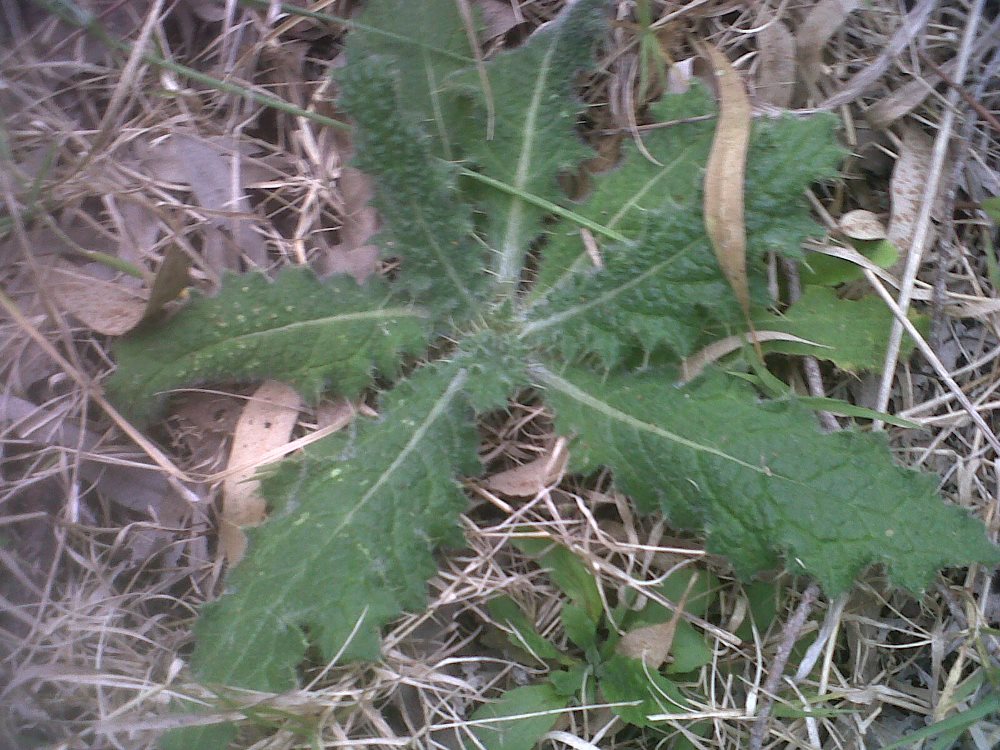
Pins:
x: 574, y: 268
x: 372, y: 315
x: 550, y: 379
x: 280, y: 603
x: 510, y: 251
x: 608, y: 296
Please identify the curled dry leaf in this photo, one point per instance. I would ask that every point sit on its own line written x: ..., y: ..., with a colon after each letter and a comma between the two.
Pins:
x: 812, y: 36
x: 266, y: 423
x: 861, y: 224
x: 531, y: 478
x: 652, y: 643
x: 724, y: 178
x: 693, y: 366
x: 776, y: 74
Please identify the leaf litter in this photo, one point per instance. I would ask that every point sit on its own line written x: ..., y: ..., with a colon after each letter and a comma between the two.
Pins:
x: 483, y: 569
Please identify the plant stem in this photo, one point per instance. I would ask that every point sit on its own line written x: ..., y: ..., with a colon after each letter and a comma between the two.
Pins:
x: 788, y: 638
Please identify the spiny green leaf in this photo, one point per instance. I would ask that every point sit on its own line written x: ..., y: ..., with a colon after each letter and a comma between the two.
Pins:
x: 853, y: 333
x: 425, y: 42
x: 425, y: 222
x: 664, y: 287
x: 533, y: 138
x: 761, y: 480
x: 350, y: 544
x: 311, y: 334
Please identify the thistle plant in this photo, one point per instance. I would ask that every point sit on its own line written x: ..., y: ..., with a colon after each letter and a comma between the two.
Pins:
x: 496, y: 292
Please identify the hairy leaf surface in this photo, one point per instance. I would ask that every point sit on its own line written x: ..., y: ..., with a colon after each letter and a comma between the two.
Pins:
x: 311, y: 334
x: 533, y: 135
x: 350, y: 543
x: 664, y: 286
x: 425, y: 220
x: 760, y: 478
x: 425, y: 42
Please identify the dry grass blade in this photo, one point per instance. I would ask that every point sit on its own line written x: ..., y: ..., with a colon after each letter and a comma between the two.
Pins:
x: 923, y: 220
x: 904, y: 323
x: 175, y: 475
x: 693, y: 366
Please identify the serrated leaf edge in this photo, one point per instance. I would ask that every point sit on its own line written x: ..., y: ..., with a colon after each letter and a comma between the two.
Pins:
x: 454, y: 387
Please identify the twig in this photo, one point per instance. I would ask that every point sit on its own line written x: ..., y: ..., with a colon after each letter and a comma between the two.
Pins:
x: 913, y: 24
x: 934, y: 362
x: 915, y: 255
x: 789, y: 635
x: 174, y: 475
x: 982, y: 111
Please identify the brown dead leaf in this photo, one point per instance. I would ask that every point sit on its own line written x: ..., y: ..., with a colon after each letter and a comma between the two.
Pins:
x: 266, y: 423
x: 112, y: 307
x: 531, y: 478
x: 861, y: 224
x: 816, y: 30
x: 724, y: 178
x: 776, y: 74
x: 107, y: 307
x: 652, y: 643
x: 909, y: 178
x: 499, y: 16
x: 354, y: 254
